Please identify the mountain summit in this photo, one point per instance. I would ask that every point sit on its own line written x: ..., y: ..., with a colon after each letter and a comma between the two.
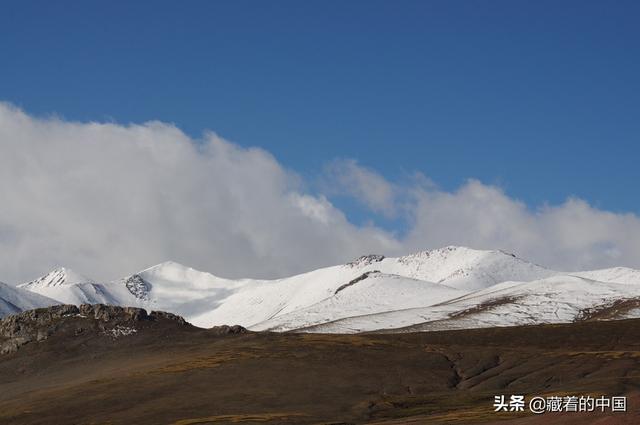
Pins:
x: 56, y: 277
x: 458, y: 267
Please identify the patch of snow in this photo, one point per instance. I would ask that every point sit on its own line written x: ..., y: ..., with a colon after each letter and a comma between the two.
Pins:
x: 120, y: 331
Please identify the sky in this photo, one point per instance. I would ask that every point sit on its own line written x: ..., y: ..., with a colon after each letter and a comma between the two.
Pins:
x: 266, y: 138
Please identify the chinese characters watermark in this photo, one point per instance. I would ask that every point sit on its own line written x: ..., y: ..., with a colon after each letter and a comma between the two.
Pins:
x: 571, y: 403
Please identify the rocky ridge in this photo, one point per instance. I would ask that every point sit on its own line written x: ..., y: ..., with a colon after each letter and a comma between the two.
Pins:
x: 40, y: 324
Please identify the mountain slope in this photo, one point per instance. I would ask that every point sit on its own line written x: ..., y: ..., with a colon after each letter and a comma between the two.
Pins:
x: 14, y: 300
x: 453, y: 267
x: 558, y: 299
x: 372, y: 292
x: 613, y: 275
x: 97, y: 365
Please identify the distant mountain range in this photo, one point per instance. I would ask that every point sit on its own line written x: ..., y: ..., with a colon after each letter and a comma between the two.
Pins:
x: 447, y: 288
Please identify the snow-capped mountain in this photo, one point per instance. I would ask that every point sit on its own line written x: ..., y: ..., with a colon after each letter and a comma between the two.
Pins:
x: 59, y: 276
x: 452, y: 287
x: 451, y: 267
x: 69, y: 287
x: 180, y: 289
x: 370, y: 293
x: 557, y: 299
x: 457, y: 267
x: 14, y: 300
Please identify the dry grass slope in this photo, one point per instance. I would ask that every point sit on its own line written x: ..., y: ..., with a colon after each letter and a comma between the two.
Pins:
x: 172, y: 374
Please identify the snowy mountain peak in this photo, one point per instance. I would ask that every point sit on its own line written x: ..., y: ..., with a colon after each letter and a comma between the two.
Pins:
x: 465, y: 268
x: 57, y: 277
x: 169, y: 268
x: 366, y: 260
x: 175, y: 282
x: 454, y: 251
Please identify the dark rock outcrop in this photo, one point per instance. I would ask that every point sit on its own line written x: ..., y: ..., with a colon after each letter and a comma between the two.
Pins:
x: 366, y: 260
x: 352, y: 282
x: 39, y: 324
x: 138, y: 286
x: 228, y: 330
x: 160, y: 315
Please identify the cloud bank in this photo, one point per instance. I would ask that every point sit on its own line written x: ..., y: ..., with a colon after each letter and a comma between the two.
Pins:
x: 108, y: 200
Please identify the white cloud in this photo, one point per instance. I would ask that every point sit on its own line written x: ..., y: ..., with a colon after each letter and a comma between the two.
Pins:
x: 347, y: 177
x: 570, y: 236
x: 108, y: 200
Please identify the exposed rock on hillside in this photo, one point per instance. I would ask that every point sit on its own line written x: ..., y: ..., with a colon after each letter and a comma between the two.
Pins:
x: 228, y: 330
x: 40, y: 324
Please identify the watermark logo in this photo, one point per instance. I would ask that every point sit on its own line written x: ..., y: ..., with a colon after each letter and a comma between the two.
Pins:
x: 570, y: 403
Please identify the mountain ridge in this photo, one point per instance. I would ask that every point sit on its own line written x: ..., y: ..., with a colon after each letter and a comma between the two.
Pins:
x: 443, y: 282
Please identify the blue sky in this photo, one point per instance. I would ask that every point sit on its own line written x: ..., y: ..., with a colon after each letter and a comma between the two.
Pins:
x: 525, y: 114
x: 539, y: 97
